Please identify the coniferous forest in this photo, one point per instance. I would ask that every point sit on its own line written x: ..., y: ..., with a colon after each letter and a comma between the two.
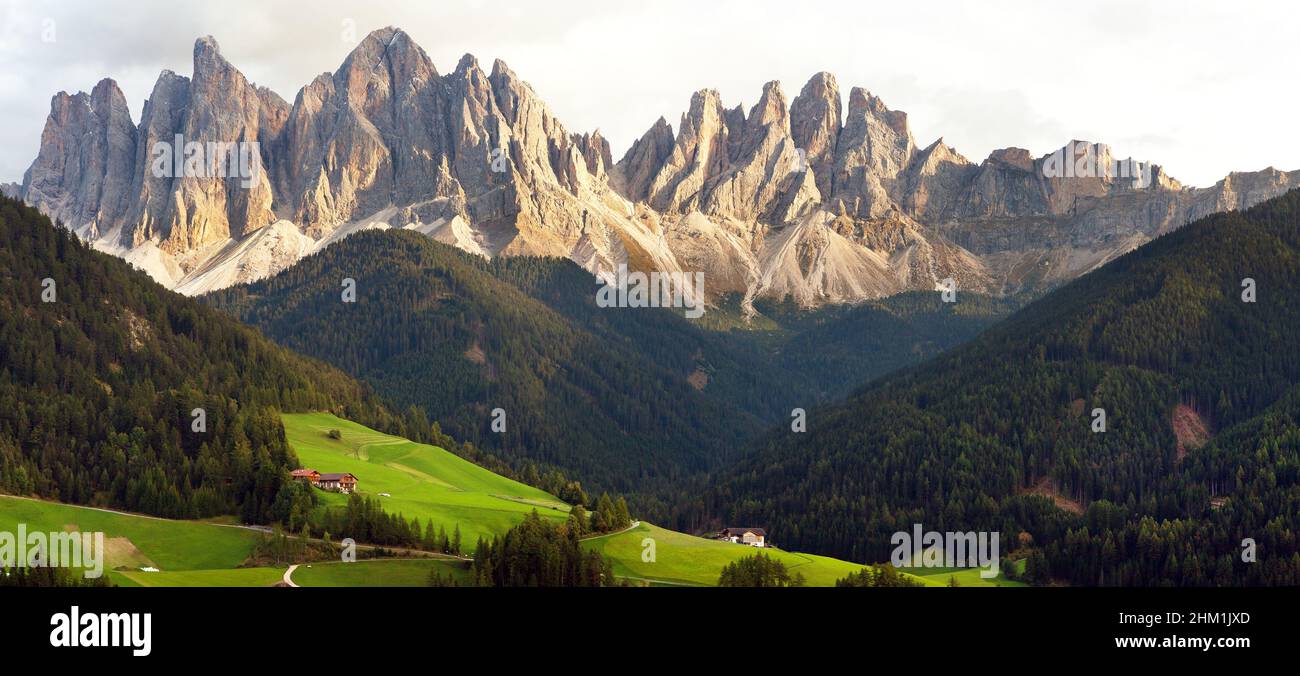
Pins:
x: 102, y: 370
x: 1002, y: 434
x: 639, y: 401
x: 1134, y: 427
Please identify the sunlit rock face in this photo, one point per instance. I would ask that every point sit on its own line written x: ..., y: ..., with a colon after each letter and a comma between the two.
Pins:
x: 814, y: 198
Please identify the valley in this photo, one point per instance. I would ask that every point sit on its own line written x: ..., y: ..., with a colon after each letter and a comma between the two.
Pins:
x: 422, y: 481
x: 524, y: 335
x: 388, y: 315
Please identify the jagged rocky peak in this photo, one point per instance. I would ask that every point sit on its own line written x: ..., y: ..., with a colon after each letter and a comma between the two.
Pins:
x: 535, y: 130
x: 770, y: 109
x: 814, y: 197
x: 770, y: 117
x: 856, y: 164
x: 1018, y: 158
x: 935, y: 180
x: 385, y: 71
x: 231, y: 195
x: 765, y: 177
x: 207, y: 57
x: 362, y: 138
x: 392, y: 47
x: 933, y: 158
x: 815, y: 125
x: 635, y: 172
x: 875, y: 146
x: 699, y: 153
x: 82, y: 174
x: 509, y: 90
x: 595, y: 153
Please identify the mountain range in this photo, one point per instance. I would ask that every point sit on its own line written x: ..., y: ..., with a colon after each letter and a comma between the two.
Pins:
x: 1132, y: 423
x: 803, y: 198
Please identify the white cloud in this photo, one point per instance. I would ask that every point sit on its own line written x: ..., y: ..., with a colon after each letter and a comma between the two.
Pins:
x: 1201, y: 88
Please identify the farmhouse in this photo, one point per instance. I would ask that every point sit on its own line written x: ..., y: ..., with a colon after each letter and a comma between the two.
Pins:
x: 310, y: 475
x: 754, y: 537
x: 340, y: 482
x: 343, y: 482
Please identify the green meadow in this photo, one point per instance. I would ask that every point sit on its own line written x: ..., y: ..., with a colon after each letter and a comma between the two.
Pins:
x: 236, y: 577
x: 965, y: 577
x: 682, y: 559
x: 379, y: 573
x: 133, y: 541
x: 423, y: 481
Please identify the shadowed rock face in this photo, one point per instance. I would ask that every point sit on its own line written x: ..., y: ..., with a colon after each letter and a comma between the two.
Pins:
x: 83, y: 173
x: 806, y: 198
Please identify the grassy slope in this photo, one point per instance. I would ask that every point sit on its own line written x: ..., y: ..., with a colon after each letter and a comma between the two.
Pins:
x: 379, y: 573
x: 966, y: 577
x: 237, y: 577
x: 165, y: 544
x: 686, y: 559
x: 424, y: 481
x: 428, y: 482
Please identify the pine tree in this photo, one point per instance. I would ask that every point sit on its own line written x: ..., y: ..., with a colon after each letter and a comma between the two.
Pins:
x: 621, y: 517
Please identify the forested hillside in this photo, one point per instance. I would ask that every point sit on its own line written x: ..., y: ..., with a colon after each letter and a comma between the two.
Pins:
x: 998, y: 434
x: 101, y: 370
x: 785, y: 357
x: 434, y: 327
x: 633, y: 400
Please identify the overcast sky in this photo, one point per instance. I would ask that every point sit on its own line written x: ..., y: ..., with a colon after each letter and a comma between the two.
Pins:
x: 1201, y: 88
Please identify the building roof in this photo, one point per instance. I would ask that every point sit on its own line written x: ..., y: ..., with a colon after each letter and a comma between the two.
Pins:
x: 337, y: 476
x: 303, y: 472
x: 742, y: 531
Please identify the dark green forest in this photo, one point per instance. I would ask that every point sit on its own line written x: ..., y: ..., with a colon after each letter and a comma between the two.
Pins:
x: 759, y: 570
x: 968, y: 441
x: 434, y: 327
x: 638, y: 401
x: 98, y: 386
x: 538, y: 553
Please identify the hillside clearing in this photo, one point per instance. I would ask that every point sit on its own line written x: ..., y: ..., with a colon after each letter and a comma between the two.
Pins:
x: 422, y: 481
x: 132, y: 541
x: 682, y: 559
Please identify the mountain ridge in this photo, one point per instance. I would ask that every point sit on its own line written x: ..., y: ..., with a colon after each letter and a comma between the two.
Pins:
x: 803, y: 197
